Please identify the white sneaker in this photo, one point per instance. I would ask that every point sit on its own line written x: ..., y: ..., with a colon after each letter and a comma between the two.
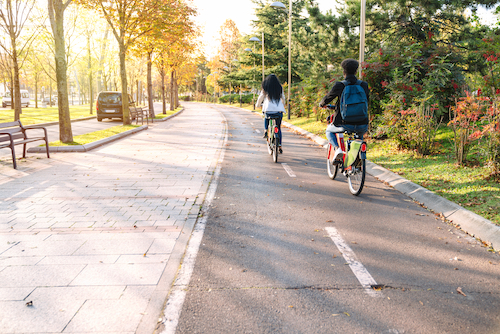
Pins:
x: 338, y: 155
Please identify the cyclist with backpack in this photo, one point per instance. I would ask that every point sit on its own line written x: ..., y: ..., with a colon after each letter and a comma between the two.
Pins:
x: 351, y: 107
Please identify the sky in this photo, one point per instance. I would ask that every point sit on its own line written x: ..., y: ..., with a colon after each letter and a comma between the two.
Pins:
x: 213, y: 13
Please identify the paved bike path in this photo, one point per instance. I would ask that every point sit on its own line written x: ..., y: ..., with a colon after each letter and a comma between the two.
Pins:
x: 468, y: 221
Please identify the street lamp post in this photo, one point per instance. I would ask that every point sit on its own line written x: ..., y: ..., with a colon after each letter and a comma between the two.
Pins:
x: 256, y: 39
x: 253, y: 93
x: 280, y: 5
x: 362, y: 36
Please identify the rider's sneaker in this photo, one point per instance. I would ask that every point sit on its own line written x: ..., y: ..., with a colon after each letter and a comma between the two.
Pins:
x: 265, y: 135
x: 281, y: 151
x: 338, y: 155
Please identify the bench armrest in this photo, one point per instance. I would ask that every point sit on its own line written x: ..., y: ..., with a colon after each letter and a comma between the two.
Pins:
x: 35, y: 128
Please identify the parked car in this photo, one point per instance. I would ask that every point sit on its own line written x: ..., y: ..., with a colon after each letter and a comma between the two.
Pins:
x: 109, y: 105
x: 47, y: 100
x: 25, y: 99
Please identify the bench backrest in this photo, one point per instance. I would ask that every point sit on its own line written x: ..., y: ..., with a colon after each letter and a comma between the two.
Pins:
x: 15, y: 128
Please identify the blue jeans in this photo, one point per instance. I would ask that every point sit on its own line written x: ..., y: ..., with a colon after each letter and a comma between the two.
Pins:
x: 278, y: 123
x: 331, y: 130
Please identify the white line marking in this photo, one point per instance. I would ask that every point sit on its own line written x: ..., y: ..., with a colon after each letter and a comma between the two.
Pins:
x: 357, y: 268
x: 177, y: 296
x: 288, y: 170
x: 256, y: 130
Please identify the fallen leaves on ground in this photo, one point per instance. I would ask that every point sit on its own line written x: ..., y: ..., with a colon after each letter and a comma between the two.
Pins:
x: 459, y: 290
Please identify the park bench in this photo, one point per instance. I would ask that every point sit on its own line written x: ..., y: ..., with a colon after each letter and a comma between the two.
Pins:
x: 139, y: 113
x: 14, y: 133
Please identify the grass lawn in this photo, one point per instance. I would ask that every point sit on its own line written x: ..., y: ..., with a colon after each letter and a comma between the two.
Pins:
x: 468, y: 186
x: 95, y: 136
x: 168, y: 113
x: 39, y: 115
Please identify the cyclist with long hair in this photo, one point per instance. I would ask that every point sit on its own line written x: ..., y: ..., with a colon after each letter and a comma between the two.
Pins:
x: 272, y: 100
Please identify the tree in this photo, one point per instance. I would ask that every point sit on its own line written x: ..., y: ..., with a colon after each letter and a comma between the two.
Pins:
x: 128, y: 20
x: 172, y: 24
x: 14, y: 15
x: 56, y: 15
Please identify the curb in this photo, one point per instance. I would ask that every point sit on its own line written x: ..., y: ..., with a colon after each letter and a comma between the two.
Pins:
x: 93, y: 145
x: 469, y: 222
x: 466, y: 220
x: 168, y: 117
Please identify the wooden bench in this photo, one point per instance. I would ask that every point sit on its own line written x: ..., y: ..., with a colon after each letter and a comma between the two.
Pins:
x: 14, y: 133
x: 139, y: 113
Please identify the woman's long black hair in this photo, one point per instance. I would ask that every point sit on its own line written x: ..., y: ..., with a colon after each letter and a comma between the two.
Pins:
x: 272, y: 87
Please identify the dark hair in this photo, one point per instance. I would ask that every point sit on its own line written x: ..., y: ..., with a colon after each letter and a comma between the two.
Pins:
x: 350, y: 66
x: 272, y: 87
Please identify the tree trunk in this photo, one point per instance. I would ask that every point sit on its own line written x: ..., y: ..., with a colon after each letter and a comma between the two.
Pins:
x: 164, y: 102
x: 123, y: 76
x: 172, y: 90
x: 56, y: 13
x: 36, y: 91
x: 16, y: 97
x: 150, y: 87
x: 100, y: 75
x: 91, y: 91
x: 176, y: 96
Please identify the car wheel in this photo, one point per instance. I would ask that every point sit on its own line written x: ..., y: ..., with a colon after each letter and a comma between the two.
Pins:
x: 99, y: 119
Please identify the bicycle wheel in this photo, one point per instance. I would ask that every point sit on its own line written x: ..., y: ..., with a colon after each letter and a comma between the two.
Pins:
x: 275, y: 148
x: 269, y: 143
x: 270, y: 137
x: 356, y: 176
x: 331, y: 169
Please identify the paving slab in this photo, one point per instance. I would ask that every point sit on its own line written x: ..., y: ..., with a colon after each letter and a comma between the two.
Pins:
x: 93, y: 239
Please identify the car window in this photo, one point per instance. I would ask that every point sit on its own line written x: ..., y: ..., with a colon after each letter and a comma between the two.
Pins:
x: 109, y: 98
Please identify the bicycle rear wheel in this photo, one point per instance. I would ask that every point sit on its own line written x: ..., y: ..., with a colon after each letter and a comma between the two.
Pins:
x: 331, y: 168
x: 275, y: 148
x: 269, y: 144
x: 356, y: 177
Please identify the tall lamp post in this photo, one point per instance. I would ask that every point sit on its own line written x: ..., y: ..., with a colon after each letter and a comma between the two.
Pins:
x: 253, y: 93
x: 362, y: 36
x: 256, y: 39
x: 280, y: 5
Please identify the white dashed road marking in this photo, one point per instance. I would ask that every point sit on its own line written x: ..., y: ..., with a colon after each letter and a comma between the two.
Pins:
x: 357, y: 268
x: 288, y: 170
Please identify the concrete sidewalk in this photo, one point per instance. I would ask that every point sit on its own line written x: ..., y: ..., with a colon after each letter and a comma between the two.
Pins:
x: 91, y: 242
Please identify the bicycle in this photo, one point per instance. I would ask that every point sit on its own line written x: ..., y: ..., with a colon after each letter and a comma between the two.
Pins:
x: 273, y: 139
x: 352, y: 163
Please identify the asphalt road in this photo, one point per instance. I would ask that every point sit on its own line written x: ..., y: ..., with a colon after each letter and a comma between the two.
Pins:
x: 287, y: 250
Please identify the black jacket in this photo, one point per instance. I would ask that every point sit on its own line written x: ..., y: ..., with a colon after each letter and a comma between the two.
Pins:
x: 336, y: 92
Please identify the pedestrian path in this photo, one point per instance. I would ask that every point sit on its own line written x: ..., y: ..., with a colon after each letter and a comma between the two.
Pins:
x: 90, y: 242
